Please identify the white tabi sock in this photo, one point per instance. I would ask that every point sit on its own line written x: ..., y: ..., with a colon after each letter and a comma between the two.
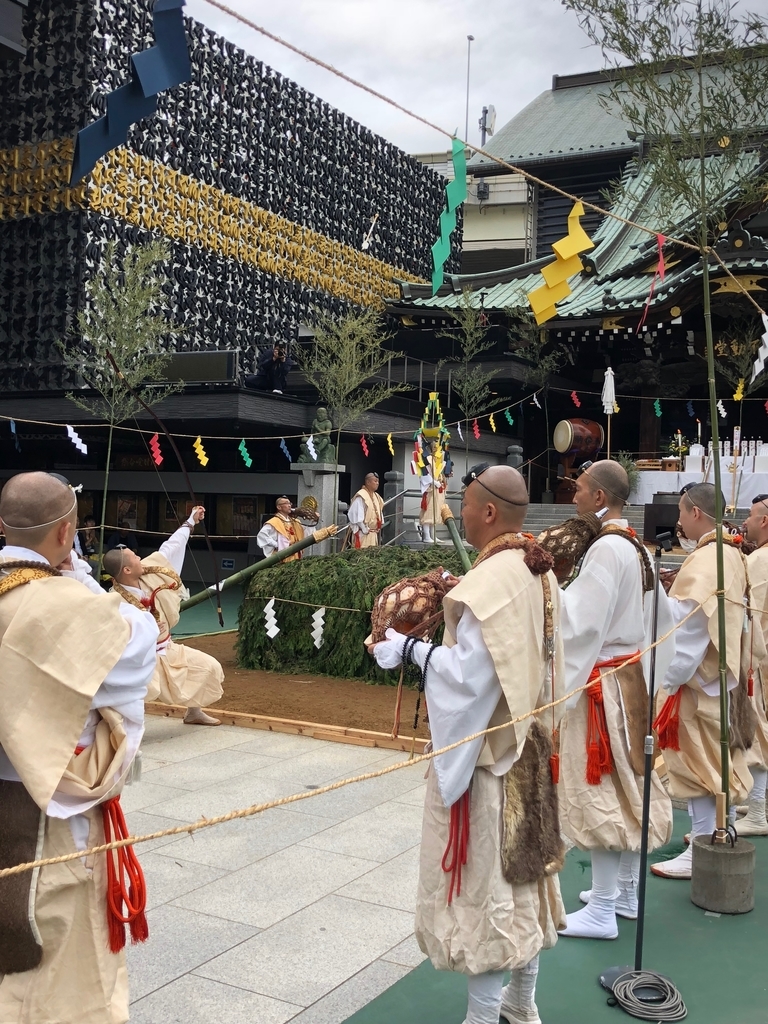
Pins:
x: 702, y: 812
x: 755, y: 822
x: 484, y: 997
x: 518, y: 998
x: 598, y: 919
x: 426, y: 534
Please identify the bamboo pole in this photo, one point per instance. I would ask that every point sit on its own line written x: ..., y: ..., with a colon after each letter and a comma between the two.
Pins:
x: 450, y: 523
x: 277, y: 556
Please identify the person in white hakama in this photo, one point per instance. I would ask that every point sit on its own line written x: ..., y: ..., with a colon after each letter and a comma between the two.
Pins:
x: 185, y: 675
x: 607, y: 617
x: 492, y: 668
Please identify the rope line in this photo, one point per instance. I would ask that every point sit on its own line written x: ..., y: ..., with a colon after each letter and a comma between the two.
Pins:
x: 248, y: 812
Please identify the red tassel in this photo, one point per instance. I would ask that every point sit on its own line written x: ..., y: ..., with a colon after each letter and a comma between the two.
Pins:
x: 554, y: 767
x: 667, y: 722
x: 750, y: 685
x: 123, y: 866
x: 455, y: 856
x: 599, y: 757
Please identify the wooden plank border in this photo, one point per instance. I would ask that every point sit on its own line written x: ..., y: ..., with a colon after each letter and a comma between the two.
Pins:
x: 315, y: 730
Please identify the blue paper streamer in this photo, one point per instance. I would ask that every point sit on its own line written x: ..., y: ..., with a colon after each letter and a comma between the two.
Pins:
x: 161, y: 67
x: 15, y: 436
x: 284, y: 449
x: 690, y: 409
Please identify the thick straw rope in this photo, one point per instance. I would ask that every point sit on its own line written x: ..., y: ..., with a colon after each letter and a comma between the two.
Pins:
x: 248, y: 812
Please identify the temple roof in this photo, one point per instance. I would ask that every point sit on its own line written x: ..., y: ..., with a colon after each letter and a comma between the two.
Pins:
x: 617, y: 273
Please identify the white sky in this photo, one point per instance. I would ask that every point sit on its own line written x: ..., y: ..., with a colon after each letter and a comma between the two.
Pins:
x: 415, y: 51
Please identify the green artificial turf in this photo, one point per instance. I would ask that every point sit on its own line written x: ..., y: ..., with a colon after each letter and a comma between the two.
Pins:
x: 717, y: 963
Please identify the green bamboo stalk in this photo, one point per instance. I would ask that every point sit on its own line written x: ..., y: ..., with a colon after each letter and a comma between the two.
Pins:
x: 450, y: 523
x: 265, y: 563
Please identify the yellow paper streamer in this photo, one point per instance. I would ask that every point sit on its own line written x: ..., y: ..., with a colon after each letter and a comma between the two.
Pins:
x: 738, y: 394
x: 390, y: 445
x: 567, y: 263
x: 202, y: 458
x: 492, y: 421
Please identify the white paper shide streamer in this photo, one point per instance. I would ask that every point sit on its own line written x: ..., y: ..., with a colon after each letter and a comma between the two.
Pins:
x: 311, y: 447
x: 76, y: 440
x: 318, y: 625
x: 762, y: 353
x: 721, y: 409
x: 270, y: 619
x: 458, y: 427
x: 608, y: 397
x: 536, y: 401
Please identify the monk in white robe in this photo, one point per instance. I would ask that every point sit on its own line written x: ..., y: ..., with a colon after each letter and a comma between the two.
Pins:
x: 688, y: 725
x: 492, y: 903
x: 607, y: 617
x: 184, y: 675
x: 279, y: 532
x: 366, y: 514
x: 75, y: 668
x: 756, y: 532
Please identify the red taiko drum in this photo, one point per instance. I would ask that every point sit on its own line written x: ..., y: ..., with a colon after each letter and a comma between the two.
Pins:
x: 579, y: 438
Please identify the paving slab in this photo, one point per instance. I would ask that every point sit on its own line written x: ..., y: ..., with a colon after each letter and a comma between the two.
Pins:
x: 194, y: 1000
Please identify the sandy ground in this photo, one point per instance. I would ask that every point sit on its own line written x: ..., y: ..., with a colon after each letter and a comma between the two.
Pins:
x: 308, y: 698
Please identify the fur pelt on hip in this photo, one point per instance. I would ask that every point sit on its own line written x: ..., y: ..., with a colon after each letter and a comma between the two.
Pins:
x: 21, y: 840
x: 531, y: 847
x: 743, y: 718
x: 634, y: 699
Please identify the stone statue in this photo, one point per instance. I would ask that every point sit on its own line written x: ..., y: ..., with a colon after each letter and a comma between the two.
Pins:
x: 321, y: 438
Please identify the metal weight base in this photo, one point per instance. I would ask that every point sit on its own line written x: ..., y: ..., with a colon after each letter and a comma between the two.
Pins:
x: 610, y: 975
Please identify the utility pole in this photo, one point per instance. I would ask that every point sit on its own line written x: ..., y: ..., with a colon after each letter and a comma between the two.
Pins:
x: 470, y: 40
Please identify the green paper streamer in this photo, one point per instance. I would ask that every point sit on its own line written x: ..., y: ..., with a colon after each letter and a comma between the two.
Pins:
x: 657, y: 407
x: 244, y: 452
x: 508, y: 414
x: 455, y: 194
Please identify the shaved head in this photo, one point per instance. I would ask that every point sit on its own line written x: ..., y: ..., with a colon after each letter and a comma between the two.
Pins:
x: 34, y: 504
x: 701, y: 496
x: 113, y: 561
x: 609, y: 476
x: 495, y: 502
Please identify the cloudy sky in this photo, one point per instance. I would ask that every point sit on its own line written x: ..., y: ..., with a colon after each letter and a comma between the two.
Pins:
x: 415, y: 51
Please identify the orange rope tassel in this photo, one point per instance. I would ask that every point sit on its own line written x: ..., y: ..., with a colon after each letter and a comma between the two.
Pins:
x: 599, y: 757
x: 667, y: 722
x: 554, y: 768
x: 455, y: 856
x: 125, y: 882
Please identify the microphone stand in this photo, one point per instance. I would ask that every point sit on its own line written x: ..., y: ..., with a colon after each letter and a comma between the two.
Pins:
x: 610, y: 976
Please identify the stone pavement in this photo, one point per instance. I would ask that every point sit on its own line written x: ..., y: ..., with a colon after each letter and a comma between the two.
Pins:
x: 303, y: 913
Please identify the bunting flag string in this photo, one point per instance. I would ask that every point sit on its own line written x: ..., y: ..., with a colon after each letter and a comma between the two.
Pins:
x: 508, y: 415
x: 15, y: 436
x: 244, y: 452
x: 364, y: 445
x: 659, y: 273
x: 657, y: 407
x: 721, y: 409
x: 76, y: 440
x: 689, y: 407
x: 738, y: 394
x: 536, y: 400
x: 202, y: 458
x: 762, y: 353
x: 284, y: 449
x: 575, y: 399
x: 318, y: 625
x: 154, y: 447
x: 476, y: 429
x: 492, y: 422
x: 270, y: 619
x: 311, y: 447
x: 390, y: 445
